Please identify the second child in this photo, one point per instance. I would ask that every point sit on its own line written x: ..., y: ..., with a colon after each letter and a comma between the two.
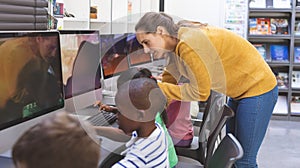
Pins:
x: 138, y: 102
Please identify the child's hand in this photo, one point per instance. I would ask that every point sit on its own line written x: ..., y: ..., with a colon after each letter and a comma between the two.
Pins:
x: 103, y: 106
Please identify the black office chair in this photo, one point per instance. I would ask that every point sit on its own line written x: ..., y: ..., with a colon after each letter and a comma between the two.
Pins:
x: 214, y: 102
x: 113, y: 157
x: 227, y: 153
x: 211, y: 128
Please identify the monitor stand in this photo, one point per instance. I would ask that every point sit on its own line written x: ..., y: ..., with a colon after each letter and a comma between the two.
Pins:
x: 7, y: 154
x: 82, y: 101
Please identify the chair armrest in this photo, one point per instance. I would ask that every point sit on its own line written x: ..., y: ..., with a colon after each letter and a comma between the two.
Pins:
x: 196, y: 122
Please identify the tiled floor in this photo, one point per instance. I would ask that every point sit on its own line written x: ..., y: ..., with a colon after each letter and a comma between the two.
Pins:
x: 281, y: 146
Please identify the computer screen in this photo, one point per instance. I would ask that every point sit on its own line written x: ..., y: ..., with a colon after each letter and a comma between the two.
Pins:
x: 135, y: 51
x: 113, y: 54
x: 30, y: 76
x: 80, y: 50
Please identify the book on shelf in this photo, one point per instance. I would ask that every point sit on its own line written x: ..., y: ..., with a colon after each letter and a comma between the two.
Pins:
x: 279, y: 53
x: 295, y: 79
x: 281, y: 106
x: 279, y: 26
x: 297, y: 54
x: 26, y: 10
x: 30, y: 3
x: 282, y: 80
x: 19, y: 18
x: 297, y: 27
x: 252, y: 26
x: 263, y: 26
x: 58, y: 9
x: 295, y: 105
x: 261, y: 48
x: 23, y: 26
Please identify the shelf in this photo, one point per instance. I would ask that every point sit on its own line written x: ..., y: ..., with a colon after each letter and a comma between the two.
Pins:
x: 279, y: 117
x: 297, y: 13
x: 278, y: 64
x: 296, y: 65
x: 270, y: 12
x: 281, y: 90
x: 295, y: 113
x: 283, y: 109
x: 295, y: 117
x: 98, y: 21
x: 70, y: 19
x: 271, y: 36
x: 297, y: 91
x: 297, y: 39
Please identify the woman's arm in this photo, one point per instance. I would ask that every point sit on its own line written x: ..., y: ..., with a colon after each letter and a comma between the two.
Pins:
x: 193, y: 68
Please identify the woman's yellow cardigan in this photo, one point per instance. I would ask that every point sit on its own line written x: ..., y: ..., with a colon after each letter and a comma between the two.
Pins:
x: 215, y: 59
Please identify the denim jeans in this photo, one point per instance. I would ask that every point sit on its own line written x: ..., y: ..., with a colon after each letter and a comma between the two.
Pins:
x: 249, y: 124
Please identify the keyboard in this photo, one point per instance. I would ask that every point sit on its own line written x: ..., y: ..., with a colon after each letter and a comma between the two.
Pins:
x: 102, y: 118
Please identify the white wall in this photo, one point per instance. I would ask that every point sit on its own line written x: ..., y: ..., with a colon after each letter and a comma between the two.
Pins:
x: 205, y: 11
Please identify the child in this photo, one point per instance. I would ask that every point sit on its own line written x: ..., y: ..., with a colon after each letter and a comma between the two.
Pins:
x: 60, y: 142
x: 161, y: 118
x: 138, y: 102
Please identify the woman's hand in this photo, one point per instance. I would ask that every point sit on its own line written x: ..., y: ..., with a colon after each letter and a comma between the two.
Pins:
x: 159, y: 77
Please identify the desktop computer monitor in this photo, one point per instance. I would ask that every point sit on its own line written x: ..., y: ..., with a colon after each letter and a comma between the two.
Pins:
x: 138, y: 58
x: 30, y: 81
x: 135, y: 51
x: 114, y: 59
x: 80, y: 50
x: 113, y: 54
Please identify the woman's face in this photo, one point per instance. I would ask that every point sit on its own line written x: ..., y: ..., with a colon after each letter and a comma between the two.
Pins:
x: 153, y: 43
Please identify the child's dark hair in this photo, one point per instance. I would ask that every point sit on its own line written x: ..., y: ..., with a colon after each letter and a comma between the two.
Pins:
x: 134, y: 73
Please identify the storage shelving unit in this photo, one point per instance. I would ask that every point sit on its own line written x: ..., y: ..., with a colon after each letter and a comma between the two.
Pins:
x: 289, y: 39
x: 113, y: 16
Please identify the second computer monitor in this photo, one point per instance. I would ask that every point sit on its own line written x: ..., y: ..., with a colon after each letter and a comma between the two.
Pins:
x: 135, y: 51
x: 81, y: 67
x: 80, y: 61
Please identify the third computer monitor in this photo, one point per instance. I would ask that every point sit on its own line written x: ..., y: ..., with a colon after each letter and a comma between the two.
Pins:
x: 113, y: 54
x: 135, y: 51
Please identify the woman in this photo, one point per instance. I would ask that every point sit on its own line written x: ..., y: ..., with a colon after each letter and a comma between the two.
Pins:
x: 214, y: 59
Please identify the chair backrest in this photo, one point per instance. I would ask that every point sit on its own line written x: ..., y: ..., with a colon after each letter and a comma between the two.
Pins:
x: 214, y: 103
x: 226, y: 114
x: 217, y: 113
x: 227, y: 153
x: 211, y: 129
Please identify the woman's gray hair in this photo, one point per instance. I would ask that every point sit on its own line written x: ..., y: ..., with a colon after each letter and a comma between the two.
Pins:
x: 151, y: 20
